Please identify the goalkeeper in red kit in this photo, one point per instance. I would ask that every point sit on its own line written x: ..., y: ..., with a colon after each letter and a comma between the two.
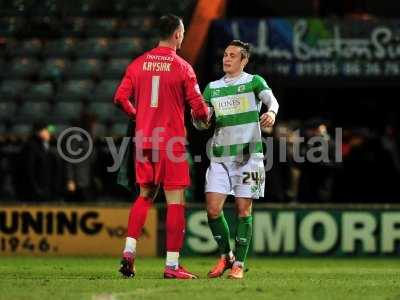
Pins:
x: 154, y: 91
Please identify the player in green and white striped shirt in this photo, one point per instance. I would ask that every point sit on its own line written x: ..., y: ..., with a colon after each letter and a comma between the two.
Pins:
x: 237, y: 154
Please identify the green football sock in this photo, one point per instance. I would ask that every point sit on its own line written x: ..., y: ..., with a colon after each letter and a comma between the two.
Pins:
x: 220, y: 230
x: 243, y: 237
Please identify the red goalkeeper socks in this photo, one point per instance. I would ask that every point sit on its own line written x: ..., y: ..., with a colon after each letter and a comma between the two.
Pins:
x: 175, y: 226
x: 137, y: 216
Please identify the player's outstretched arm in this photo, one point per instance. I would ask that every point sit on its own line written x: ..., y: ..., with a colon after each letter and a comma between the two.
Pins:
x: 193, y: 96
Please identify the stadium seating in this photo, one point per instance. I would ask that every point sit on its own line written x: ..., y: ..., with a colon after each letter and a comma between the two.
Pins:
x: 29, y: 47
x: 92, y: 47
x: 119, y: 129
x: 8, y: 26
x: 74, y: 27
x: 26, y: 7
x: 42, y: 91
x: 7, y: 109
x: 60, y: 59
x: 54, y: 7
x: 62, y: 47
x: 10, y: 90
x: 53, y: 69
x: 23, y: 68
x: 137, y: 8
x: 2, y: 66
x: 87, y: 7
x: 84, y: 68
x: 91, y: 7
x: 67, y: 110
x: 105, y: 90
x: 64, y: 57
x: 21, y: 129
x: 2, y: 130
x: 75, y: 90
x: 115, y: 68
x: 127, y: 47
x: 102, y: 27
x: 34, y: 110
x: 104, y: 111
x: 138, y: 26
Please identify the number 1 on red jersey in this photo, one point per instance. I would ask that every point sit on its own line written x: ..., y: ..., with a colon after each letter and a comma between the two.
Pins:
x: 155, y: 86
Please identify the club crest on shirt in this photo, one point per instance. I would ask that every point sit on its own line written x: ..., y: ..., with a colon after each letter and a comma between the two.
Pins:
x: 215, y: 93
x: 241, y: 88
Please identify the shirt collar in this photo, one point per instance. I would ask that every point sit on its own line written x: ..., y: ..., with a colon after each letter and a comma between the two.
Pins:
x: 232, y: 80
x: 166, y: 49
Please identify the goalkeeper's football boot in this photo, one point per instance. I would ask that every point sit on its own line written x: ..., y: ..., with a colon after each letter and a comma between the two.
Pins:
x: 127, y: 268
x: 236, y: 272
x: 178, y: 273
x: 223, y: 264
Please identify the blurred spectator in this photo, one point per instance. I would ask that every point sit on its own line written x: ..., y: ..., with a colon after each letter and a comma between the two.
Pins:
x: 390, y: 159
x: 6, y: 187
x: 390, y: 144
x: 316, y: 178
x: 281, y: 180
x: 354, y: 9
x: 358, y: 10
x: 80, y: 176
x: 38, y: 172
x: 353, y: 183
x: 327, y: 8
x: 369, y: 171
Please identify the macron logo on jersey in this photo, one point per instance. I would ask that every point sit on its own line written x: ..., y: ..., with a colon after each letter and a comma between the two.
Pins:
x: 156, y: 66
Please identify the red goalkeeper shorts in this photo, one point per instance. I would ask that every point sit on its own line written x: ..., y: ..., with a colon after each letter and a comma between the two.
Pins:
x: 169, y: 169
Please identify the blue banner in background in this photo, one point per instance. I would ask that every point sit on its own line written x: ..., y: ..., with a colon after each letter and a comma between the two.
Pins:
x: 315, y: 47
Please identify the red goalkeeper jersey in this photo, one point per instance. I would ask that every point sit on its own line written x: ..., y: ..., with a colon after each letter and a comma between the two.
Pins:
x: 154, y: 91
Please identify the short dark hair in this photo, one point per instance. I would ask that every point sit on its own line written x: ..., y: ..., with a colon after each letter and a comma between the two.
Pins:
x: 167, y: 25
x: 245, y: 48
x: 39, y: 126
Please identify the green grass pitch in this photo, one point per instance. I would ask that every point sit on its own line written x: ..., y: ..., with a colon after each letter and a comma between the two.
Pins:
x: 292, y: 278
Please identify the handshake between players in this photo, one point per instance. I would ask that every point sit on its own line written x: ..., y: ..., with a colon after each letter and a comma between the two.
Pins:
x: 161, y: 84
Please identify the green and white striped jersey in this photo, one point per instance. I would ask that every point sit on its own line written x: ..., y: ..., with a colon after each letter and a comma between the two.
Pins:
x: 237, y: 103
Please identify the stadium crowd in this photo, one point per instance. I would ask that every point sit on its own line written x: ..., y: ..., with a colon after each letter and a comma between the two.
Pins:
x: 368, y: 172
